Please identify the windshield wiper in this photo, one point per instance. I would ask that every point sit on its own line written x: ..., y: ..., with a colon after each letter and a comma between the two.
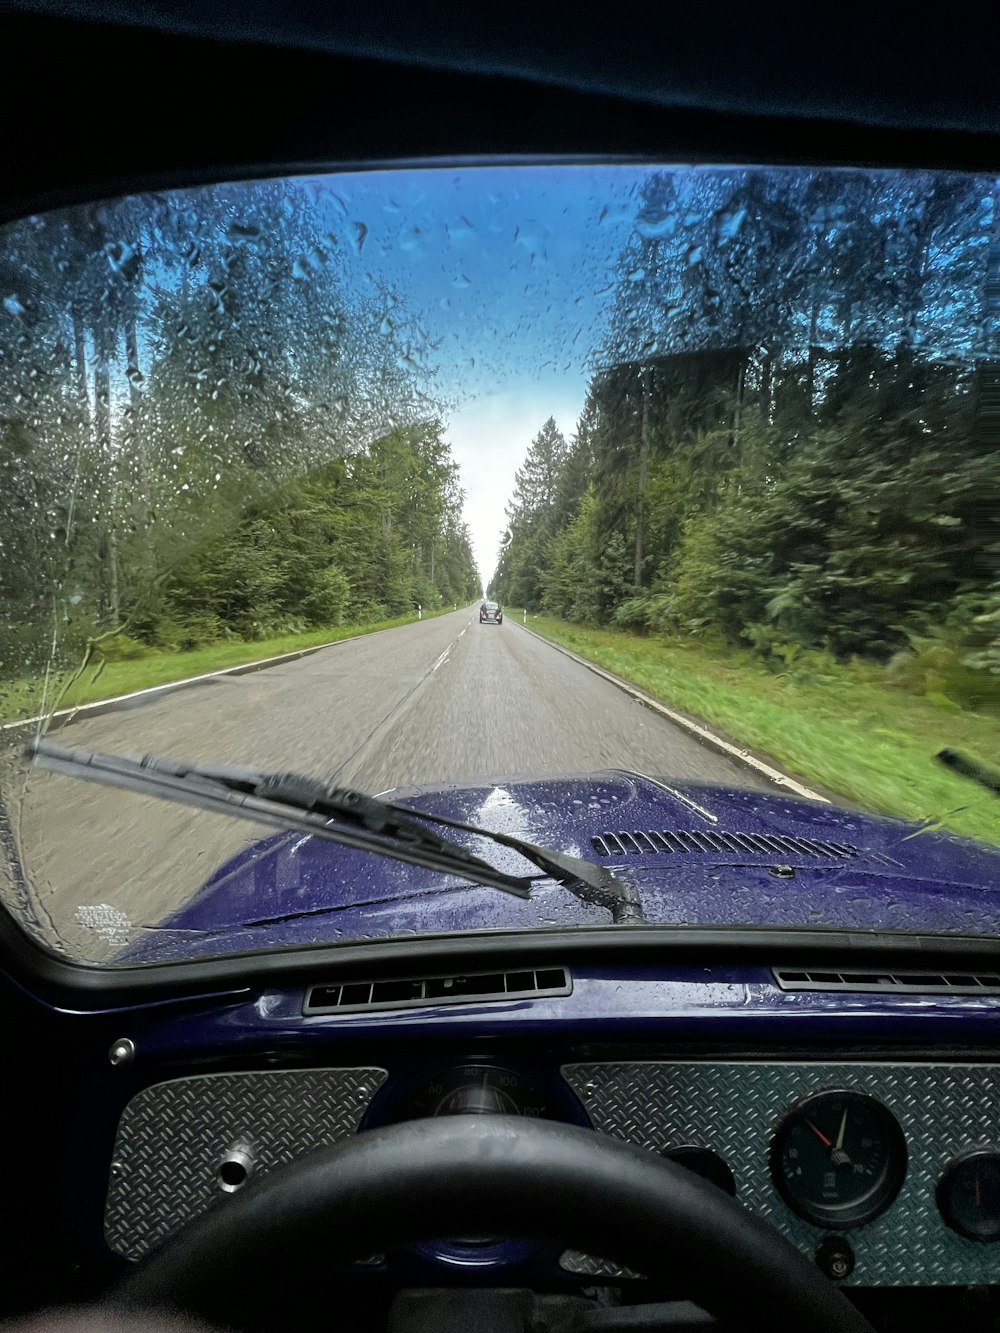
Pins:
x: 290, y: 801
x: 588, y: 882
x: 971, y: 769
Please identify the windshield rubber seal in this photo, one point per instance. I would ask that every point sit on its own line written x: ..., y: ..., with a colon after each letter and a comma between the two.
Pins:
x: 455, y: 125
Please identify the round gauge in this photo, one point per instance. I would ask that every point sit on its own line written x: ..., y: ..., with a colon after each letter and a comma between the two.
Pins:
x: 705, y: 1163
x: 473, y: 1090
x: 968, y: 1194
x: 838, y: 1158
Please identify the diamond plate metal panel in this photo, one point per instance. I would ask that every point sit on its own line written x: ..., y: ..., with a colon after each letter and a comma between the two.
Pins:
x: 172, y: 1137
x: 572, y: 1261
x: 733, y: 1108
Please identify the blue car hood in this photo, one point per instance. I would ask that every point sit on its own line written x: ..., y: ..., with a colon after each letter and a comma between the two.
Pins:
x: 725, y: 857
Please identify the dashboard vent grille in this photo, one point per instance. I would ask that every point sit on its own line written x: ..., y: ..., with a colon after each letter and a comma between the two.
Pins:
x: 903, y: 983
x: 645, y: 842
x: 351, y: 997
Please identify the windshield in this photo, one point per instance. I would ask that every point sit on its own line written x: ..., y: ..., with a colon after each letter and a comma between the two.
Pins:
x: 722, y: 443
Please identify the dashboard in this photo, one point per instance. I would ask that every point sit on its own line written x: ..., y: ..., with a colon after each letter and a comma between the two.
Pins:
x: 888, y: 1173
x: 147, y: 1114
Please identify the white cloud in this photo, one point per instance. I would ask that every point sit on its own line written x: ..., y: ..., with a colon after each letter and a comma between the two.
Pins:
x: 490, y: 437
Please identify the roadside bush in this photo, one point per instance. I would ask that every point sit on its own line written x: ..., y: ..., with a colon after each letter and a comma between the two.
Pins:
x: 369, y: 613
x: 938, y: 670
x: 768, y: 640
x: 983, y: 632
x: 634, y: 614
x: 957, y: 660
x: 423, y: 593
x: 327, y: 600
x: 195, y: 630
x: 120, y: 648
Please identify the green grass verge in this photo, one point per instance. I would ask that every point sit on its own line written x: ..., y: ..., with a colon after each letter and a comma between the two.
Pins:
x: 28, y: 698
x: 839, y: 729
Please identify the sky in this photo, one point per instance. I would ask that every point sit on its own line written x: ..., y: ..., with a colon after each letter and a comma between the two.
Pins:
x: 489, y: 438
x: 504, y: 278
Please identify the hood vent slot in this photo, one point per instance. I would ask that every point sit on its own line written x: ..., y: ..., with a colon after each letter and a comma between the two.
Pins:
x: 355, y: 997
x: 652, y: 842
x: 899, y: 983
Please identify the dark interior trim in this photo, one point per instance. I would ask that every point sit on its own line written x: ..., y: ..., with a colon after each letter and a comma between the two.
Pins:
x: 62, y: 983
x: 91, y: 111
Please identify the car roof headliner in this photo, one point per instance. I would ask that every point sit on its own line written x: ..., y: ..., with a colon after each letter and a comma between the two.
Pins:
x: 886, y: 64
x: 104, y: 95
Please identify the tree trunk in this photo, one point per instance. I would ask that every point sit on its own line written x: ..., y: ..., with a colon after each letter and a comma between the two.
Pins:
x: 134, y: 402
x: 811, y: 371
x: 643, y: 471
x: 139, y: 462
x: 109, y: 557
x: 102, y: 436
x: 80, y: 368
x: 766, y: 385
x: 739, y: 405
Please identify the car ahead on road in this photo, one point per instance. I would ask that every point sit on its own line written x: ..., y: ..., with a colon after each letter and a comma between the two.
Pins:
x: 490, y: 614
x: 568, y: 1046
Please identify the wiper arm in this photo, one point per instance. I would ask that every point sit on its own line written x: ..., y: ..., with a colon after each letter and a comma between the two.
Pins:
x: 284, y: 801
x: 588, y: 882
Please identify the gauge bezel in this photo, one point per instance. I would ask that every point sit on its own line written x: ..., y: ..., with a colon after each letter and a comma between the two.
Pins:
x: 953, y: 1165
x: 396, y: 1098
x: 881, y: 1196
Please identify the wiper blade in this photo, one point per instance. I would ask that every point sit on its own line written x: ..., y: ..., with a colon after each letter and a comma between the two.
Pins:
x: 284, y: 801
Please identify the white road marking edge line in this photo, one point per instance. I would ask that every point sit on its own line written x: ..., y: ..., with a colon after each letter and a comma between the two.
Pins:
x: 716, y: 741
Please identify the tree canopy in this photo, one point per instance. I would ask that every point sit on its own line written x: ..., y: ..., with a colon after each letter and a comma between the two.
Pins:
x: 206, y: 432
x: 785, y: 443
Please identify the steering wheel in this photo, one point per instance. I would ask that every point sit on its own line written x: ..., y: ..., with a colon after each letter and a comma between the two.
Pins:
x: 490, y: 1175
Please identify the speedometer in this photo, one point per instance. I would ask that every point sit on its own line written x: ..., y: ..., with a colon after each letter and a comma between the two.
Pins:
x: 838, y: 1158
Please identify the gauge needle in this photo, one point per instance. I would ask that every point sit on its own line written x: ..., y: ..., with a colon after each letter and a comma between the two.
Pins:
x: 819, y: 1134
x: 840, y: 1132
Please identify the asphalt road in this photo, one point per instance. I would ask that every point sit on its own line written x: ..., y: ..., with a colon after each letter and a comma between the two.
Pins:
x: 444, y: 700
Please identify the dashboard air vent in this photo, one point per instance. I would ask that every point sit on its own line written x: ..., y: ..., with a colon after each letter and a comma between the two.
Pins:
x: 351, y: 997
x: 646, y: 842
x: 900, y: 983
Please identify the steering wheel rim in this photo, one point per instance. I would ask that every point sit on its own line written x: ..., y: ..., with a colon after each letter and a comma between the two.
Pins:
x: 497, y: 1175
